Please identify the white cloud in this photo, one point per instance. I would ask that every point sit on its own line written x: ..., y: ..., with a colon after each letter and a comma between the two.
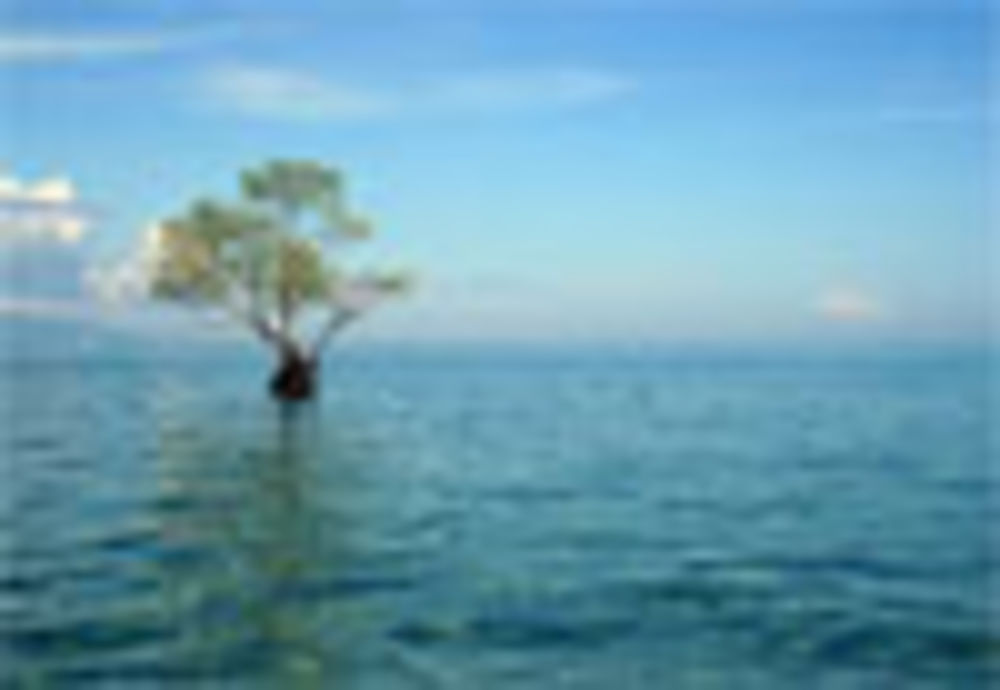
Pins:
x: 288, y: 94
x: 49, y: 46
x: 352, y: 8
x: 46, y: 210
x: 849, y: 305
x: 126, y: 279
x: 530, y: 88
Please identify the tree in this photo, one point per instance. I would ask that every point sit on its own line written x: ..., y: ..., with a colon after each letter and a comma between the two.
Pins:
x: 268, y: 261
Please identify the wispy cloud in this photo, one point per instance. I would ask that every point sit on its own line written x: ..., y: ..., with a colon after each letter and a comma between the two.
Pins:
x: 849, y: 305
x: 531, y: 88
x: 395, y: 7
x: 24, y: 46
x: 280, y: 93
x: 936, y: 114
x: 718, y: 6
x: 288, y: 94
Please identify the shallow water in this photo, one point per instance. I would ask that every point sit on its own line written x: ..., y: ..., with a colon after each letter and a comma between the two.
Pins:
x: 486, y: 520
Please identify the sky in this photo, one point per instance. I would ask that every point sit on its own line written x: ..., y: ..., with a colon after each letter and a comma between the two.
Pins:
x: 630, y: 170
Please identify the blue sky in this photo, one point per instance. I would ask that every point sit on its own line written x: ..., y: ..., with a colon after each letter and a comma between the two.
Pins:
x: 663, y: 170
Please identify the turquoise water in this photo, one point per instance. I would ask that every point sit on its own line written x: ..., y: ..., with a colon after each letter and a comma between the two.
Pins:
x: 499, y: 519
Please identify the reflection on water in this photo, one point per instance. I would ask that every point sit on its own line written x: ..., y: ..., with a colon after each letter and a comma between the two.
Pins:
x: 226, y: 559
x: 243, y: 539
x: 497, y: 524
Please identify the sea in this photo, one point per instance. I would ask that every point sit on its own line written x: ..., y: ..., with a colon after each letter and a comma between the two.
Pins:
x: 482, y: 517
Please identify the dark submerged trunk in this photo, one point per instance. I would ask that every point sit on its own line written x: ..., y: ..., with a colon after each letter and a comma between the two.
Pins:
x: 295, y: 377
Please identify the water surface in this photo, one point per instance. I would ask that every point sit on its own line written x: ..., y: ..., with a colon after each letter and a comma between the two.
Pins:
x: 499, y: 519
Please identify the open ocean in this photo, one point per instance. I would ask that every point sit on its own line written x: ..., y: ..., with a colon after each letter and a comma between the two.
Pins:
x: 486, y: 519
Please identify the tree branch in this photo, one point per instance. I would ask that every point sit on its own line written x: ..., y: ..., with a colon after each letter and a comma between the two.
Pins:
x: 338, y: 320
x: 236, y: 286
x: 261, y: 326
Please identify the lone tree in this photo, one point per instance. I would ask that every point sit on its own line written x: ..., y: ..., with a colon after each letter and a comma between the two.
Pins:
x: 267, y: 260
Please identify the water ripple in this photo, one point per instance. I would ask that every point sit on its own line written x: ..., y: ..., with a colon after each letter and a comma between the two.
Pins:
x: 499, y: 522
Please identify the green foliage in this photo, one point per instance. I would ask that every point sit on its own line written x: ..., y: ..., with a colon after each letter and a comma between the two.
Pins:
x: 295, y: 185
x: 301, y: 274
x: 211, y: 250
x: 268, y: 256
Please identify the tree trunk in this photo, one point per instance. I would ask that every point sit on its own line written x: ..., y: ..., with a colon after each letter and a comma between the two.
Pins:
x: 295, y: 378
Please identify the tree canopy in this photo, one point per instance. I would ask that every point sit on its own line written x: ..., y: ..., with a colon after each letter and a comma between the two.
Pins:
x: 269, y: 257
